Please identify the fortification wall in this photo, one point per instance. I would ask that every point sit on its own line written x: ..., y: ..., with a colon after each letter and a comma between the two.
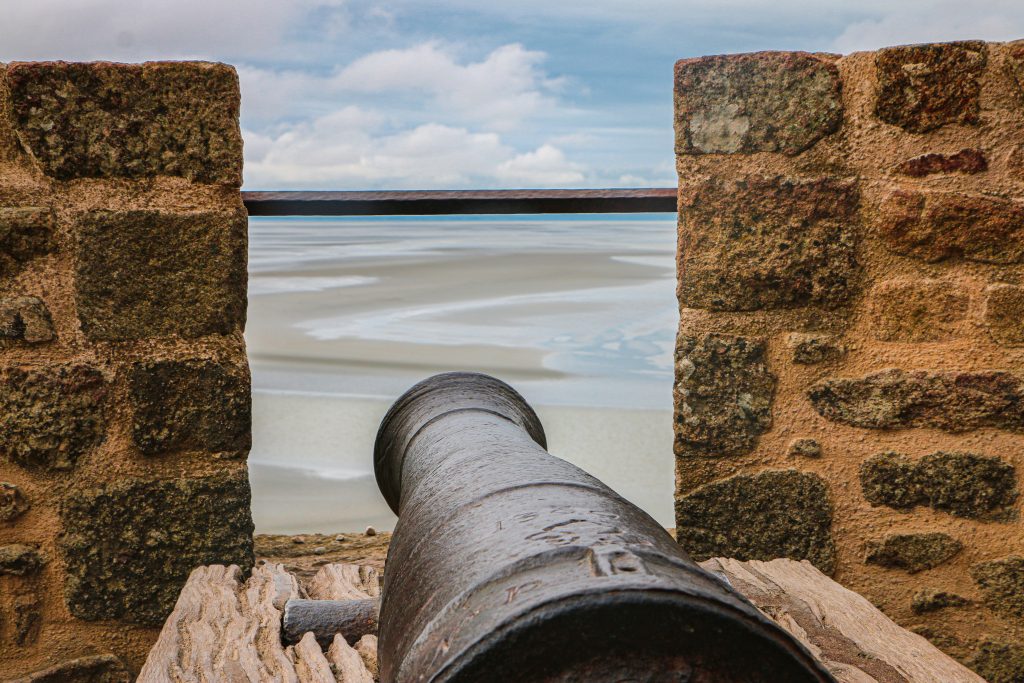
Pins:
x: 124, y: 386
x: 850, y: 361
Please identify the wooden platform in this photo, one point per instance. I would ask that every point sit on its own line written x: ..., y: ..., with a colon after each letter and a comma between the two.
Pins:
x: 228, y: 629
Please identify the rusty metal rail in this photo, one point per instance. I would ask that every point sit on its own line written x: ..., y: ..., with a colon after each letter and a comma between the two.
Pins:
x: 439, y: 202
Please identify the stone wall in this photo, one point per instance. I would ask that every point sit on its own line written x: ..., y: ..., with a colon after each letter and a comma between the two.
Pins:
x: 124, y: 387
x: 850, y: 363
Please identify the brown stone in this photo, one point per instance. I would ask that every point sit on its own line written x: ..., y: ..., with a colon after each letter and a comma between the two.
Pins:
x: 963, y: 484
x: 1002, y: 583
x: 190, y: 405
x: 923, y: 87
x: 759, y: 517
x: 767, y: 243
x: 1015, y: 162
x: 760, y: 102
x: 1004, y: 314
x: 934, y: 226
x: 917, y: 310
x: 51, y: 416
x: 811, y: 349
x: 154, y: 274
x: 723, y: 395
x: 999, y: 662
x: 930, y: 600
x: 1015, y: 64
x: 913, y: 552
x: 965, y: 161
x: 91, y: 669
x: 901, y: 399
x: 19, y: 560
x: 25, y: 233
x: 24, y: 319
x: 13, y: 503
x: 105, y: 120
x: 129, y: 546
x: 805, y: 448
x: 28, y: 618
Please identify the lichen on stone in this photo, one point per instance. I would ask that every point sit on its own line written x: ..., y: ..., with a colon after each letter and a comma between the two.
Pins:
x: 999, y: 662
x: 1002, y: 583
x: 913, y: 552
x: 759, y: 517
x: 806, y: 448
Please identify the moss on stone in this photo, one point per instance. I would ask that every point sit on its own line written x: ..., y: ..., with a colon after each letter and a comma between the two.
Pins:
x: 1002, y: 583
x: 913, y: 552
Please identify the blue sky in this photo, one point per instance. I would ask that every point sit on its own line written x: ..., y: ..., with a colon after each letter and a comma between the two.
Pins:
x: 404, y: 94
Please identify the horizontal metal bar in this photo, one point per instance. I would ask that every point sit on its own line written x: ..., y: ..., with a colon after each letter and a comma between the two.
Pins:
x: 437, y: 202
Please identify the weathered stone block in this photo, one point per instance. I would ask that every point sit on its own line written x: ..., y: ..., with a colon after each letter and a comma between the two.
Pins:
x: 91, y: 669
x: 767, y: 243
x: 923, y: 87
x: 965, y: 161
x: 805, y: 448
x: 25, y: 233
x: 963, y: 484
x: 19, y: 560
x: 101, y: 119
x: 153, y: 273
x: 917, y: 310
x: 901, y: 399
x: 24, y: 319
x: 934, y: 226
x: 13, y: 503
x: 811, y: 349
x: 1002, y: 583
x: 929, y: 600
x: 759, y: 517
x: 760, y: 102
x: 913, y: 552
x: 1004, y: 314
x: 128, y: 547
x: 723, y: 395
x: 190, y: 405
x: 50, y: 416
x: 999, y: 662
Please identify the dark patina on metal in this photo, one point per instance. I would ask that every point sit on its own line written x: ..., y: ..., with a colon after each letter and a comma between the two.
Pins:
x: 509, y: 564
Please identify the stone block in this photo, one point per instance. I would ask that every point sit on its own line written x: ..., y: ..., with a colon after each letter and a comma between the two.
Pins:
x: 13, y: 503
x: 917, y: 310
x: 143, y: 274
x: 129, y: 546
x: 90, y: 669
x: 760, y: 102
x: 51, y: 416
x: 19, y: 560
x: 923, y: 87
x: 930, y: 600
x: 902, y: 399
x: 805, y: 448
x: 913, y: 552
x: 25, y: 233
x: 767, y: 243
x: 190, y: 405
x: 759, y: 517
x: 999, y: 661
x: 1004, y: 314
x: 24, y: 319
x: 811, y: 349
x: 723, y: 395
x: 962, y: 484
x: 1002, y: 583
x: 1015, y: 64
x: 106, y: 120
x: 935, y: 226
x: 28, y: 618
x: 967, y: 161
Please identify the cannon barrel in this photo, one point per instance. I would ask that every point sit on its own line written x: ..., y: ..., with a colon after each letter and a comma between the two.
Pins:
x: 509, y: 564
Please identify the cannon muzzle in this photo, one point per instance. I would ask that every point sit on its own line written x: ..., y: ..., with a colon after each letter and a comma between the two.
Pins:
x: 509, y: 564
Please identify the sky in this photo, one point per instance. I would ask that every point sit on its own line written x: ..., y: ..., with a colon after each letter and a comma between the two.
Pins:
x: 406, y: 94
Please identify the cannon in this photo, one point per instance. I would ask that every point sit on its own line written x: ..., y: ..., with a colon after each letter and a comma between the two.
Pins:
x: 509, y: 564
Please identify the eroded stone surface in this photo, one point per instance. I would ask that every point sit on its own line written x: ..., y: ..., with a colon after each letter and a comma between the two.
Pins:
x: 25, y: 233
x: 50, y: 416
x: 91, y: 669
x: 759, y: 517
x: 19, y: 560
x: 1002, y: 583
x: 13, y: 503
x: 760, y: 102
x: 94, y: 120
x: 24, y: 319
x: 913, y: 552
x: 724, y: 394
x: 806, y: 448
x: 190, y: 405
x: 1004, y: 314
x: 811, y: 349
x: 934, y: 226
x: 1015, y: 63
x: 930, y: 600
x: 999, y: 662
x: 129, y: 546
x: 900, y: 399
x: 965, y: 161
x: 28, y: 617
x: 155, y: 273
x: 917, y: 310
x: 963, y: 484
x: 923, y: 87
x: 767, y: 243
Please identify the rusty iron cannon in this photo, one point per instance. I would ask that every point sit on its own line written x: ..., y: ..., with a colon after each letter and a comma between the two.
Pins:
x: 509, y: 564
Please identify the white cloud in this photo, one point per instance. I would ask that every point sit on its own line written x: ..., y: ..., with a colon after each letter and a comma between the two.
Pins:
x: 545, y: 166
